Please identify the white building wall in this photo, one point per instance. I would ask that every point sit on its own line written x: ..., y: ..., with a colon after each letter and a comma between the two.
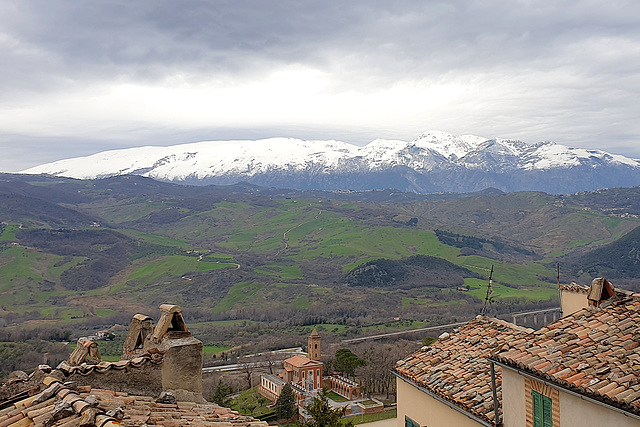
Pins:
x: 582, y: 413
x: 574, y: 411
x: 513, y: 399
x: 427, y: 411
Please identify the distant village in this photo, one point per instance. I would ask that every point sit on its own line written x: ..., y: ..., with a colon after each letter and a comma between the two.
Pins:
x: 580, y: 369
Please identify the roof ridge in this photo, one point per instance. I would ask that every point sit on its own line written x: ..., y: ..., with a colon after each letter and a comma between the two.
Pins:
x: 507, y: 324
x: 104, y: 366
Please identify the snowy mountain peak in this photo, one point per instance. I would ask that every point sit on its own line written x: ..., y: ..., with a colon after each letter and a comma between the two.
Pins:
x: 448, y: 144
x: 434, y: 161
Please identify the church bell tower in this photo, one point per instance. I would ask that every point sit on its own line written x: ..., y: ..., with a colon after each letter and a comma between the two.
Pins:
x: 314, y: 345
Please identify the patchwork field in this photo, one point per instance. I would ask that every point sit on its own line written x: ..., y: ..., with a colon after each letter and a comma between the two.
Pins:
x: 246, y: 258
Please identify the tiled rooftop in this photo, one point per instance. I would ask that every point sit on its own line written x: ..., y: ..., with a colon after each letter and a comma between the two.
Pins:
x: 593, y: 352
x: 574, y: 287
x: 104, y: 366
x: 299, y: 361
x: 62, y: 405
x: 455, y: 366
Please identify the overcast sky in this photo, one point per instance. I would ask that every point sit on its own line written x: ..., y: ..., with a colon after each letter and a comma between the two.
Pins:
x: 78, y: 77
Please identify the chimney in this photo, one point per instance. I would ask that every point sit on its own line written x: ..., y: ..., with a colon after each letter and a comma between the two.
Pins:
x: 181, y: 369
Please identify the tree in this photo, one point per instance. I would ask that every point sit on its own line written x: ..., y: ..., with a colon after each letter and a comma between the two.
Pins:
x: 347, y: 362
x: 428, y: 340
x: 221, y: 395
x: 286, y: 403
x: 323, y: 415
x: 269, y: 361
x: 248, y: 369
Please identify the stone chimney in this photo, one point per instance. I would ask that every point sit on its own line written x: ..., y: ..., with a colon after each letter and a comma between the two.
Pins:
x: 85, y: 352
x: 141, y: 327
x: 181, y: 353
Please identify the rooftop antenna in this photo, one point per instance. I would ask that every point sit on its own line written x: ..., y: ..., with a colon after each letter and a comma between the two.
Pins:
x: 488, y: 299
x: 558, y: 274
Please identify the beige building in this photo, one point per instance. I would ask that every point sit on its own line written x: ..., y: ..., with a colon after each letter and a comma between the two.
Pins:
x: 582, y: 370
x: 574, y: 297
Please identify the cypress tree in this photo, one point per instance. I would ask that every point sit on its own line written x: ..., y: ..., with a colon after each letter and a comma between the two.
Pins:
x: 286, y: 403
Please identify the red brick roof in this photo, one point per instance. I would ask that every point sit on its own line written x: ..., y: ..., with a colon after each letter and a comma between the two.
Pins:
x: 593, y: 352
x: 455, y: 366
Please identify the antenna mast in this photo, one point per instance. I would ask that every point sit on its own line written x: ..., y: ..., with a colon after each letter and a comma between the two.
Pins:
x: 488, y: 299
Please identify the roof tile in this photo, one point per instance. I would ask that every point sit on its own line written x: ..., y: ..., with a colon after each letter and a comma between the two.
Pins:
x: 456, y: 367
x: 592, y: 351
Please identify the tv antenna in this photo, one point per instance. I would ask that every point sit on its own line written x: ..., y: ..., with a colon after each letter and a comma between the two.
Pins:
x: 489, y: 298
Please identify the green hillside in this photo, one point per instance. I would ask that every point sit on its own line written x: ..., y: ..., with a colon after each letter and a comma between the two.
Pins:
x: 122, y: 245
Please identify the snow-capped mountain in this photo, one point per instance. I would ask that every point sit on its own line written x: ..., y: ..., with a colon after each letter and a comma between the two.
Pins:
x: 433, y: 162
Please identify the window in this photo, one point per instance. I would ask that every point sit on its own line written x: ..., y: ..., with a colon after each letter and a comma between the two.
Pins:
x: 542, y: 413
x: 408, y: 422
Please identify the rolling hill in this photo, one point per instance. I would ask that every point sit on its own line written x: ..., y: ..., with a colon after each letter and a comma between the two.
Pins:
x: 75, y: 250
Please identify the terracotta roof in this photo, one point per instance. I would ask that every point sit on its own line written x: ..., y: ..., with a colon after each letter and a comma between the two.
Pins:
x: 105, y: 366
x: 574, y: 287
x: 299, y: 361
x: 593, y: 352
x: 66, y: 406
x: 455, y: 366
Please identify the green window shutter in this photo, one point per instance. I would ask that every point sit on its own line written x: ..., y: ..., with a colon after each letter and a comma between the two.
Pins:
x: 408, y: 422
x: 547, y: 413
x: 537, y: 409
x: 542, y: 410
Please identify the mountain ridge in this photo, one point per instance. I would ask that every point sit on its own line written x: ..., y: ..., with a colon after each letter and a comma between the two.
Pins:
x: 435, y: 161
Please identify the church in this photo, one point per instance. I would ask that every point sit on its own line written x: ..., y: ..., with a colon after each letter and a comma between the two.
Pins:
x: 306, y: 377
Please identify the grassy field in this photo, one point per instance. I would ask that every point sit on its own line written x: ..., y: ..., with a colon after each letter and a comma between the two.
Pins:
x: 167, y: 267
x: 283, y: 272
x: 214, y: 349
x: 336, y: 397
x: 313, y: 233
x: 22, y: 269
x: 9, y: 232
x: 239, y: 293
x: 370, y: 418
x: 249, y: 252
x: 250, y: 402
x: 478, y: 288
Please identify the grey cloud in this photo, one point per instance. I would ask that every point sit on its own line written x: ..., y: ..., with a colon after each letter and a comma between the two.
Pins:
x: 148, y: 39
x: 68, y: 45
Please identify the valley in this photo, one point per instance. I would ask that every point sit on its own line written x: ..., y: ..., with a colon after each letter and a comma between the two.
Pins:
x: 256, y: 267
